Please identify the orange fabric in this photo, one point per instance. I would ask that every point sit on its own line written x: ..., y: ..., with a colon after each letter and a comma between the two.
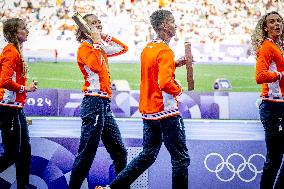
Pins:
x: 11, y: 79
x: 269, y: 64
x: 158, y: 86
x: 93, y: 63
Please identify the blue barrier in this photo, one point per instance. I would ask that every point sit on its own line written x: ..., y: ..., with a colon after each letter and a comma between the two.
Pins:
x: 211, y: 105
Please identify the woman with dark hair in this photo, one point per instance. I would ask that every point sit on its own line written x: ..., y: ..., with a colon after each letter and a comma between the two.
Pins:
x: 268, y: 46
x: 97, y: 118
x: 13, y: 92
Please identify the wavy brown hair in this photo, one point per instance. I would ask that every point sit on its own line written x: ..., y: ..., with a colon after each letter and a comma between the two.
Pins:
x: 10, y: 30
x: 259, y: 34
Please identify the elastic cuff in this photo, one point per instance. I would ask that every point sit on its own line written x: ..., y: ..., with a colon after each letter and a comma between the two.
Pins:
x: 178, y: 97
x: 22, y: 89
x: 108, y: 38
x: 279, y: 74
x: 96, y: 46
x: 181, y: 91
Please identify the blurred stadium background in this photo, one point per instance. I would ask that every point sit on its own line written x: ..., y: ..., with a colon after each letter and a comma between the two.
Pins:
x: 218, y: 29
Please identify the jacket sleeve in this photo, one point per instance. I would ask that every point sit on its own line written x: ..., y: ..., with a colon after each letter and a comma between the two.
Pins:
x: 115, y: 47
x: 166, y: 66
x: 263, y: 61
x: 91, y: 57
x: 9, y: 60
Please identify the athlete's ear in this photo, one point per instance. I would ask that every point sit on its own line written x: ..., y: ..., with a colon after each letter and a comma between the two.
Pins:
x: 265, y: 29
x: 163, y: 26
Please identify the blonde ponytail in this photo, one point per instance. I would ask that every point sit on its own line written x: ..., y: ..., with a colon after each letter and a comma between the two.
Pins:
x: 10, y: 28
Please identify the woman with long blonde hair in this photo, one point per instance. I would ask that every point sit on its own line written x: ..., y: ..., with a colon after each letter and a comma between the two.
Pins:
x: 98, y: 121
x: 13, y: 93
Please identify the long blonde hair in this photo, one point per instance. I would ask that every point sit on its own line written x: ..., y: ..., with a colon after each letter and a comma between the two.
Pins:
x: 259, y: 34
x: 10, y: 29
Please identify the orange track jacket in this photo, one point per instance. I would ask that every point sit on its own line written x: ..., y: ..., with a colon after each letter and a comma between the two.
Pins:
x: 93, y: 63
x: 270, y: 63
x: 12, y: 90
x: 158, y: 88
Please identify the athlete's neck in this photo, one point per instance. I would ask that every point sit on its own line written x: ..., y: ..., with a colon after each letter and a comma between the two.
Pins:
x: 164, y: 37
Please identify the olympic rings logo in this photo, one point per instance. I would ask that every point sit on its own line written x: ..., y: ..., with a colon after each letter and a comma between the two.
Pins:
x: 235, y: 170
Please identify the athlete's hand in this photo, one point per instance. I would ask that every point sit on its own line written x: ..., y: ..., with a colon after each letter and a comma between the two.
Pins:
x: 181, y: 61
x: 31, y: 87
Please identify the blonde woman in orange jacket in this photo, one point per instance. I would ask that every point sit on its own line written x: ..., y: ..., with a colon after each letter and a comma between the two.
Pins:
x: 13, y: 93
x: 267, y: 42
x: 97, y: 118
